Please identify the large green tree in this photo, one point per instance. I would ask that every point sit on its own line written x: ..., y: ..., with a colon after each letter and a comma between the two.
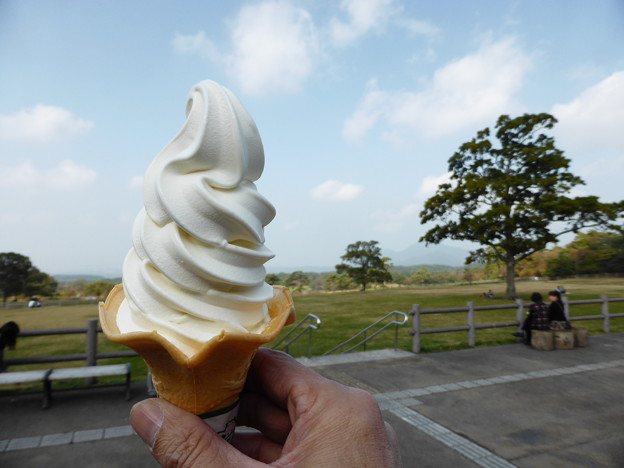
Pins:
x: 364, y: 264
x: 297, y: 281
x: 512, y: 196
x: 14, y: 270
x: 39, y: 283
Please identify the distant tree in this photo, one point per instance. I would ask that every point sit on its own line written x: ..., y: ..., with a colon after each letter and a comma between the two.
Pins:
x: 39, y: 283
x: 511, y: 197
x: 616, y: 263
x: 591, y: 251
x: 364, y: 264
x: 14, y: 270
x: 98, y: 289
x: 272, y: 279
x: 560, y: 265
x: 74, y: 288
x: 468, y: 275
x: 421, y: 276
x: 297, y: 281
x: 339, y: 282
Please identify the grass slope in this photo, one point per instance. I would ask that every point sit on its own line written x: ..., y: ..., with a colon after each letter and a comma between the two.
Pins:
x: 342, y: 315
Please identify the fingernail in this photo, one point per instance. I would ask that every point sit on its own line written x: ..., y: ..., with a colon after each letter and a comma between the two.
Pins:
x: 146, y: 419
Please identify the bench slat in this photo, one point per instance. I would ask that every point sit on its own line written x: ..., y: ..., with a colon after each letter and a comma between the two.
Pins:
x: 89, y: 371
x: 23, y: 376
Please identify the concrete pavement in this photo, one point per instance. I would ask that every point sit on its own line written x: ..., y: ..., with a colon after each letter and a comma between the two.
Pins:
x: 503, y: 406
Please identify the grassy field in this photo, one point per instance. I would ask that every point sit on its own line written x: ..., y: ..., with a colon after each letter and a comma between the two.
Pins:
x: 342, y: 316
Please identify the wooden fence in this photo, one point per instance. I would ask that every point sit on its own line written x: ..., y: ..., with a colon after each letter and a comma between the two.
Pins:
x: 471, y: 326
x: 90, y: 356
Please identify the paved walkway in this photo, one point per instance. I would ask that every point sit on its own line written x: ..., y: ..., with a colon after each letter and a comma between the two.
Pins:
x: 492, y: 407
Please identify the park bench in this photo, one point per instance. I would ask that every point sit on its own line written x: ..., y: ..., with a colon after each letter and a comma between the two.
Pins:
x: 8, y: 378
x: 547, y: 340
x: 46, y: 377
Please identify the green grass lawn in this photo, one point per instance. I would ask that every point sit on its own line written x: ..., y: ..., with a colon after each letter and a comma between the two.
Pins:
x: 342, y: 315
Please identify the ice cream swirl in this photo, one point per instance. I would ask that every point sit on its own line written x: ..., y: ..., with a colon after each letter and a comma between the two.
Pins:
x: 197, y: 263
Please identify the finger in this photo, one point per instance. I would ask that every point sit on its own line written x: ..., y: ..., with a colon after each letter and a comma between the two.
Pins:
x: 393, y: 445
x: 276, y: 375
x: 255, y: 445
x: 181, y: 439
x: 260, y: 413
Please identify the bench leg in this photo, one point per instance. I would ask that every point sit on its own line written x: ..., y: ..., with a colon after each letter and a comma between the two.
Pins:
x: 47, y: 393
x: 128, y: 393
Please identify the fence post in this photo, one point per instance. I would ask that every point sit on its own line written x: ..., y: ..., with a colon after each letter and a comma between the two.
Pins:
x: 415, y: 313
x: 91, y: 347
x: 520, y: 313
x: 309, y: 341
x: 606, y: 320
x: 566, y: 307
x: 471, y: 325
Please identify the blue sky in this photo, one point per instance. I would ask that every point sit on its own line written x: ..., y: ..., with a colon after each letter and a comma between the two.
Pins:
x: 360, y: 103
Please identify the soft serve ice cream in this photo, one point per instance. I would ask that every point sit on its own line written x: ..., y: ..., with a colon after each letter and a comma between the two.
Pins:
x: 194, y: 303
x: 197, y: 263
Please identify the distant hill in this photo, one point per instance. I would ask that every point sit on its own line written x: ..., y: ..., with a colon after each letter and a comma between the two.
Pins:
x: 409, y: 269
x: 434, y: 257
x: 68, y: 278
x: 418, y: 254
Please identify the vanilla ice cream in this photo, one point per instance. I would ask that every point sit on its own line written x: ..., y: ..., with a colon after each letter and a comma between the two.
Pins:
x: 196, y: 268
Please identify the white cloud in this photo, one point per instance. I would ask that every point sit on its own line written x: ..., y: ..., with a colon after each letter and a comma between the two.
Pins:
x: 274, y: 48
x: 195, y: 44
x: 336, y: 191
x: 394, y: 221
x: 430, y: 185
x: 363, y: 16
x: 421, y: 27
x: 469, y: 91
x: 390, y: 221
x: 42, y: 124
x: 374, y: 105
x: 67, y: 176
x: 594, y: 119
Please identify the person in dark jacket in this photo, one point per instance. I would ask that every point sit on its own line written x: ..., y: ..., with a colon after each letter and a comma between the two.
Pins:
x: 556, y: 311
x: 8, y: 337
x: 536, y: 319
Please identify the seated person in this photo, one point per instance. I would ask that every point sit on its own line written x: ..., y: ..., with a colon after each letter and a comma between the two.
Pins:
x: 537, y: 318
x: 556, y: 312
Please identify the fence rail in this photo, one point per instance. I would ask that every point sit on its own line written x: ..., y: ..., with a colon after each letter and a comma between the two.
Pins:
x: 471, y: 327
x: 90, y: 356
x: 364, y: 337
x: 309, y: 323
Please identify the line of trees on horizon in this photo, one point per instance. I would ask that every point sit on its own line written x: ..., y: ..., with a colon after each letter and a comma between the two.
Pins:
x: 20, y: 279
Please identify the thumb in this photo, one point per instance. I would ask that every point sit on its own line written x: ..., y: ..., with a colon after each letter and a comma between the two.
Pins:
x: 181, y: 439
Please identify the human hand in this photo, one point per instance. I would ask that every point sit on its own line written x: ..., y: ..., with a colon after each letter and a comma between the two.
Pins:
x: 303, y: 419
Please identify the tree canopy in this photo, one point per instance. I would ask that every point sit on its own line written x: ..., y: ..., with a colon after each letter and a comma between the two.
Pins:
x: 512, y: 197
x: 364, y: 264
x: 19, y: 276
x: 39, y: 283
x: 14, y: 270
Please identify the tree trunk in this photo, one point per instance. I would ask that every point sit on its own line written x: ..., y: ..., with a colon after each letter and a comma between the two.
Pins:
x: 510, y: 293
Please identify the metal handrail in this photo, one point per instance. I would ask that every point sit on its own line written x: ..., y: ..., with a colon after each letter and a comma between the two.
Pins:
x: 366, y: 338
x: 314, y: 323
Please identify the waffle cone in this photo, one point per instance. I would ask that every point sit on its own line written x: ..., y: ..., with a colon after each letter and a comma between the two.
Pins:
x: 212, y: 378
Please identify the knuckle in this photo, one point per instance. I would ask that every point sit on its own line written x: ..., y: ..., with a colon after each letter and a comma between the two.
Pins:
x: 181, y: 452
